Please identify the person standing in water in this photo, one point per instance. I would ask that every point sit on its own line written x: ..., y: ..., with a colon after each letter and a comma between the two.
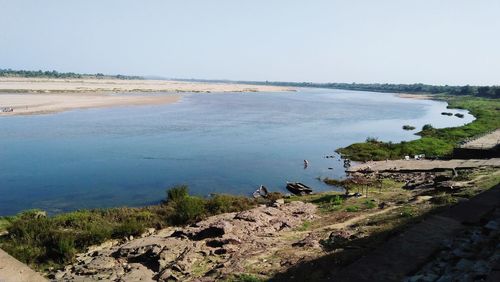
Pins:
x: 306, y: 163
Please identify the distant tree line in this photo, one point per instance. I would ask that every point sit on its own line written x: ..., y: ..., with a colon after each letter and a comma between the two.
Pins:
x: 56, y: 74
x: 417, y: 88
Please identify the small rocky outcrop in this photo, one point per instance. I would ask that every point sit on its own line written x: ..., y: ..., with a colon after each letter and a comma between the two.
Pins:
x: 208, y: 249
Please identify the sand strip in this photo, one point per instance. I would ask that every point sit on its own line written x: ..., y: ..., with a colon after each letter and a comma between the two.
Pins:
x: 28, y: 104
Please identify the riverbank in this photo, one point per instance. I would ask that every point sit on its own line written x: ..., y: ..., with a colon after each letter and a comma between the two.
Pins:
x: 27, y: 96
x: 433, y: 142
x: 234, y: 237
x: 34, y: 104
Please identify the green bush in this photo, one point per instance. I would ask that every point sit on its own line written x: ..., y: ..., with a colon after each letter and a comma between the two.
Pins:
x: 129, y: 227
x: 221, y: 203
x: 177, y: 193
x: 352, y: 209
x: 61, y: 247
x: 408, y: 127
x: 336, y: 201
x: 188, y: 210
x: 427, y: 127
x: 407, y: 211
x: 369, y: 204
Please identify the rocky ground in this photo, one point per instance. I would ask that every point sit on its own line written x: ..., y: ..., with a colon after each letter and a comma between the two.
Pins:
x: 214, y: 248
x: 311, y: 237
x: 470, y: 256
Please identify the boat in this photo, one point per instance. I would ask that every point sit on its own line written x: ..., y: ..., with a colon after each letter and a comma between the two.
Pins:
x: 298, y: 188
x: 261, y: 192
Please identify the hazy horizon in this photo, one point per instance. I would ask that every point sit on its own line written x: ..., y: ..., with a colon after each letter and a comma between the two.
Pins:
x: 389, y: 41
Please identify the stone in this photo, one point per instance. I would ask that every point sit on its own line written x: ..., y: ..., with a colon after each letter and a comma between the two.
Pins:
x: 464, y: 265
x: 492, y: 225
x: 138, y: 272
x: 172, y: 254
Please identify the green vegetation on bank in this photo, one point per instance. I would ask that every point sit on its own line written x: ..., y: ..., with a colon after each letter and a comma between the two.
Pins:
x: 56, y: 74
x: 44, y: 241
x: 434, y: 142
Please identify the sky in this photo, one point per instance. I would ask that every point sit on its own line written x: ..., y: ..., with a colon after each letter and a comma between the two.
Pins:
x: 453, y: 42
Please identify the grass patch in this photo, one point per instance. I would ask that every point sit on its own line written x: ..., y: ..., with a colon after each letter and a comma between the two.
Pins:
x: 352, y: 209
x: 434, y: 142
x: 444, y: 199
x: 369, y: 204
x: 305, y: 226
x: 408, y: 211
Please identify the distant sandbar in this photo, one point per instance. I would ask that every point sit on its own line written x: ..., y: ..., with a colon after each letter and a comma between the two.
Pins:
x: 45, y: 95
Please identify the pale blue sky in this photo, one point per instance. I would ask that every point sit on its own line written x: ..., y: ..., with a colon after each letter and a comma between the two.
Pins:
x: 429, y: 41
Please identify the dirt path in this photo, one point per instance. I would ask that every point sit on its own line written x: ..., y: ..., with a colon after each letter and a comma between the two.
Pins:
x: 487, y: 141
x: 12, y: 270
x: 423, y: 165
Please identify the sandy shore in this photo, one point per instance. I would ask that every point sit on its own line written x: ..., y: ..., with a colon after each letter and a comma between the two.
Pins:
x: 415, y: 96
x: 49, y: 85
x: 26, y: 104
x: 42, y: 95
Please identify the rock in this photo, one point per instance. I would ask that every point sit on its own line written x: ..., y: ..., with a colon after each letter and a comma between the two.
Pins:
x: 492, y: 225
x: 59, y: 275
x: 481, y: 267
x: 167, y: 275
x: 172, y: 254
x: 445, y: 278
x: 309, y: 241
x: 464, y: 265
x: 101, y: 263
x: 279, y: 202
x: 138, y: 272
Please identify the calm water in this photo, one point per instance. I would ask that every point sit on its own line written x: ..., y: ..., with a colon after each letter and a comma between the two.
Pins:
x: 228, y: 143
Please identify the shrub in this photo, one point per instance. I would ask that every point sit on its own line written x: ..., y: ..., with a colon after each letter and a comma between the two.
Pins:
x: 408, y: 127
x: 221, y: 203
x: 427, y: 127
x: 188, y: 210
x: 177, y: 193
x: 407, y: 212
x: 336, y: 200
x: 352, y: 209
x: 369, y: 204
x: 61, y: 247
x: 129, y: 227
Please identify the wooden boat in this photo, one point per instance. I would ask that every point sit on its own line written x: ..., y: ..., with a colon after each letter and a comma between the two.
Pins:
x: 298, y: 188
x: 261, y: 192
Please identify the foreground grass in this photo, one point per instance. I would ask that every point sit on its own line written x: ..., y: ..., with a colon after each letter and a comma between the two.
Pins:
x: 434, y: 142
x: 43, y: 242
